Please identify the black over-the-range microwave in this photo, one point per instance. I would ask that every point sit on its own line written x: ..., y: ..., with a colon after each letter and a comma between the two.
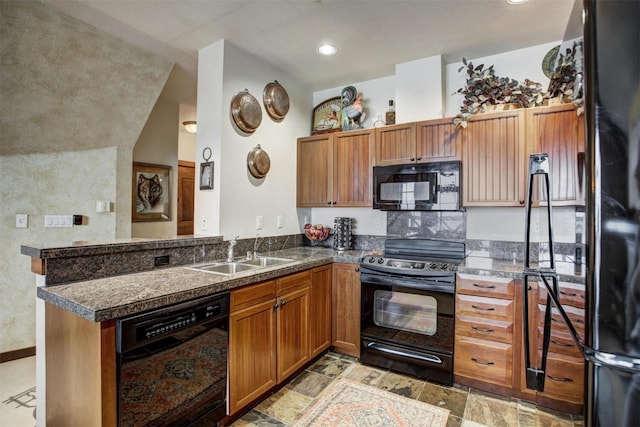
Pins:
x: 417, y: 187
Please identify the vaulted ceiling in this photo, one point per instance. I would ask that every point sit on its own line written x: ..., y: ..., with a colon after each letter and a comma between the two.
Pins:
x: 372, y: 36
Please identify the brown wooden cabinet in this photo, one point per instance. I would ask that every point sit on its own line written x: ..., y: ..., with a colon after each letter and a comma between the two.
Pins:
x: 418, y: 142
x: 559, y: 131
x: 346, y: 309
x: 335, y: 169
x: 268, y: 336
x: 485, y: 318
x: 320, y: 310
x: 494, y: 157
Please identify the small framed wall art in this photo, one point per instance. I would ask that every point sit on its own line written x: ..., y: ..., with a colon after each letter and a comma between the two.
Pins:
x: 326, y: 116
x: 206, y: 176
x: 151, y: 195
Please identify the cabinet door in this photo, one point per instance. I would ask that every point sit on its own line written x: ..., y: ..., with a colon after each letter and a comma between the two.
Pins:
x: 352, y: 168
x: 559, y: 132
x: 396, y: 144
x: 252, y: 354
x: 493, y: 158
x: 438, y: 140
x: 320, y: 310
x: 346, y: 309
x: 315, y: 171
x: 293, y: 332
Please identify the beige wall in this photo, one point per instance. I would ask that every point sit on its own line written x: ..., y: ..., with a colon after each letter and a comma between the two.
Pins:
x: 73, y: 103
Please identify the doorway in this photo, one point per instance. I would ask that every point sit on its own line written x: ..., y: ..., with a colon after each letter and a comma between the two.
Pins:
x: 186, y: 193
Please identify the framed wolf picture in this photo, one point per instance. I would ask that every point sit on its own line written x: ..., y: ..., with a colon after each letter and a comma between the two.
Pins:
x: 151, y: 195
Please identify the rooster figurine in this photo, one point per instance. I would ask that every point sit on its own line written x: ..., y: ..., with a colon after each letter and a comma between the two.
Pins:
x: 352, y: 109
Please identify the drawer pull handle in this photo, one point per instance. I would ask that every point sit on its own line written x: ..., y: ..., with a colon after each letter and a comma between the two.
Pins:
x: 562, y: 344
x: 553, y: 319
x: 483, y: 309
x: 484, y: 286
x: 480, y: 362
x: 487, y: 330
x: 569, y: 294
x: 560, y: 380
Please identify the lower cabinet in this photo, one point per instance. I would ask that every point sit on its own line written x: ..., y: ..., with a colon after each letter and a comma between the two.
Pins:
x: 489, y: 351
x: 275, y: 328
x: 346, y: 309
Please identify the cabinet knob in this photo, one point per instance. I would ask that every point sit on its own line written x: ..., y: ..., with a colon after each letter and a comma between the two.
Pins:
x: 329, y: 202
x: 275, y: 306
x: 357, y: 270
x: 419, y: 158
x: 283, y: 302
x: 412, y: 158
x: 334, y: 202
x: 521, y: 202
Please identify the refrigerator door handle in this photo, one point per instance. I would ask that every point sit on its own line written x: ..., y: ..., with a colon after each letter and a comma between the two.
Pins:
x: 616, y: 361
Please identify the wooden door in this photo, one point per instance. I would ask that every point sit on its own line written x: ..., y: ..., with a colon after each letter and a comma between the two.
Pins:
x: 346, y: 309
x: 186, y: 189
x: 315, y: 171
x: 559, y: 132
x: 353, y: 168
x: 396, y: 144
x: 320, y: 310
x: 252, y: 354
x: 493, y: 158
x: 293, y: 332
x: 438, y: 140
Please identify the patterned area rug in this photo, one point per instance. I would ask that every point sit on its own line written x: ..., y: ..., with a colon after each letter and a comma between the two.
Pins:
x: 349, y: 404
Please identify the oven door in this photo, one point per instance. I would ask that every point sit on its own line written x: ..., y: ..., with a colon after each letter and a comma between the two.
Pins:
x: 407, y: 328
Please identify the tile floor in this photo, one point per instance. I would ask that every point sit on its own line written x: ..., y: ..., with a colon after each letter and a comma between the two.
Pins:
x: 469, y: 408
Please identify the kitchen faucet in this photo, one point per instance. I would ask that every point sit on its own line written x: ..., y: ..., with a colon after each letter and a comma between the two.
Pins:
x: 232, y: 243
x: 255, y: 246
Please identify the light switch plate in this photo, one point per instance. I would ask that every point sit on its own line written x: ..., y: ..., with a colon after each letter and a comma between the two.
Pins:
x: 22, y: 220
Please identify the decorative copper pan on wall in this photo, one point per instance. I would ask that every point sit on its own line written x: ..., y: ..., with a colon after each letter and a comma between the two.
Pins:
x: 258, y: 162
x: 246, y: 111
x: 276, y: 101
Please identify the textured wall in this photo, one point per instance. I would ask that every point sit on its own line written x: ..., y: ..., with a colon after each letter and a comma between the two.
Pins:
x: 67, y: 86
x: 73, y: 103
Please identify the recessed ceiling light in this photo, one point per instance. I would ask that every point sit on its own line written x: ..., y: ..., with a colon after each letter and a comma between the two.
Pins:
x: 517, y: 1
x: 327, y: 50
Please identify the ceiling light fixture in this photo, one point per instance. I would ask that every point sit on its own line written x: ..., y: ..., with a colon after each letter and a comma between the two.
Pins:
x: 190, y: 126
x: 517, y: 1
x: 327, y: 50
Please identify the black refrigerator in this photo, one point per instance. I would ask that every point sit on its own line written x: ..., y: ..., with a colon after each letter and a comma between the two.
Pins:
x: 609, y: 77
x: 612, y: 108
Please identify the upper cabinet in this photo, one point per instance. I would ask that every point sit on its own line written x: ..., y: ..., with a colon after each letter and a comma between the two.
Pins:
x: 493, y: 159
x: 559, y: 132
x: 336, y: 169
x: 427, y: 141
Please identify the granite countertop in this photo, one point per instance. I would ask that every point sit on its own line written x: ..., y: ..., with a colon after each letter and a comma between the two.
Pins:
x: 119, y: 296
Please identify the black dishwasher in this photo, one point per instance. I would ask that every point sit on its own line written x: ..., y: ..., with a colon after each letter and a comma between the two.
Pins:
x: 172, y: 364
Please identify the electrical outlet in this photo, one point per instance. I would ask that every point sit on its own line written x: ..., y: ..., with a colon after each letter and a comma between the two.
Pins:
x: 161, y: 260
x: 22, y: 220
x: 280, y: 221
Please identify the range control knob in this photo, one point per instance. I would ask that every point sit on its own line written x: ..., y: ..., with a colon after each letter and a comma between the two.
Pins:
x: 372, y: 259
x: 380, y: 260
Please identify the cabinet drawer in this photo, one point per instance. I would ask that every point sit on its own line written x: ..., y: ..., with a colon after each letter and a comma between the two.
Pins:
x: 497, y: 287
x: 493, y: 330
x: 576, y: 315
x: 564, y: 378
x: 487, y: 361
x: 252, y: 295
x: 484, y: 308
x: 560, y: 342
x: 293, y: 282
x: 572, y: 294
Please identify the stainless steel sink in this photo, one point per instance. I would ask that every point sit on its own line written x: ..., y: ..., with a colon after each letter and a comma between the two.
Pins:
x: 223, y: 267
x: 226, y: 267
x: 265, y: 261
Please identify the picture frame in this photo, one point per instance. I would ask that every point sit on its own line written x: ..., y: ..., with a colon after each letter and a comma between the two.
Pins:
x: 326, y: 116
x: 151, y: 192
x: 206, y: 176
